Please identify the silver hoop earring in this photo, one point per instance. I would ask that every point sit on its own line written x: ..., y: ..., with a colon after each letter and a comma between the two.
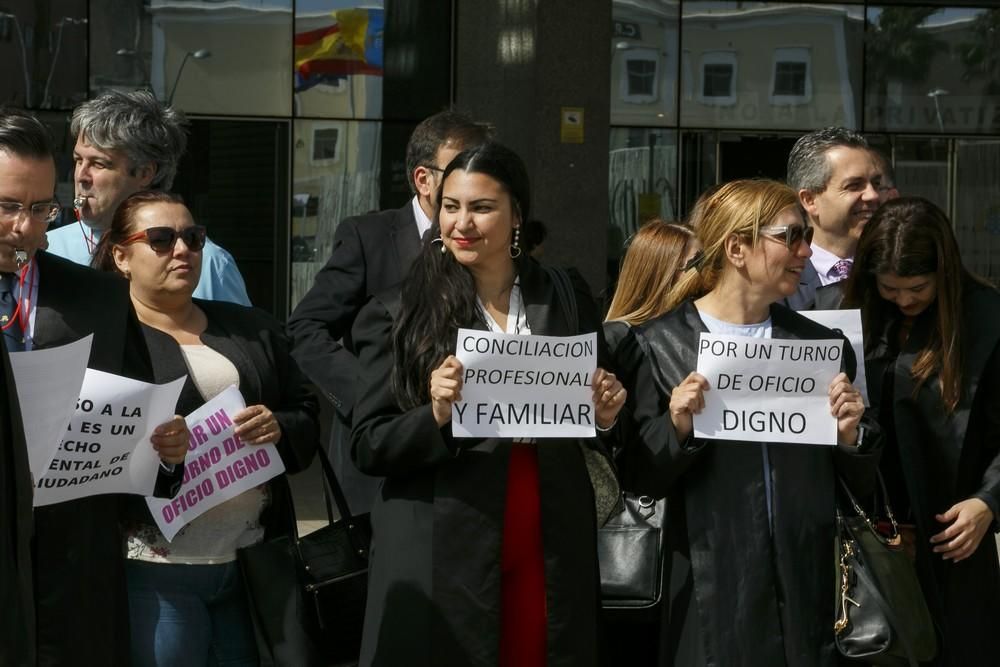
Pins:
x: 515, y: 246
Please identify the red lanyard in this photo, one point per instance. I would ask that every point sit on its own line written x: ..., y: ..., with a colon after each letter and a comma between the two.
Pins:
x: 91, y: 243
x: 23, y: 316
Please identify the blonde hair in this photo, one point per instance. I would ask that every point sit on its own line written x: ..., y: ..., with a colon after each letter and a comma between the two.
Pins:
x: 654, y: 258
x: 738, y: 207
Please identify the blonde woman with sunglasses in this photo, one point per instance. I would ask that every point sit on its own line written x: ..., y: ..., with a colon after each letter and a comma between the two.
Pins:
x: 750, y: 525
x: 186, y: 597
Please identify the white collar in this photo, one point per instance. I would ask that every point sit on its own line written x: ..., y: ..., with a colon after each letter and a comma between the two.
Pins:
x: 423, y: 222
x: 823, y: 261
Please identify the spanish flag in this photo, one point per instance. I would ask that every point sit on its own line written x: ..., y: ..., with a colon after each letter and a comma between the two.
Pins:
x: 352, y: 44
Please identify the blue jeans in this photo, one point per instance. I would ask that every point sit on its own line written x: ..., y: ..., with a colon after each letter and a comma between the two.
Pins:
x: 189, y: 616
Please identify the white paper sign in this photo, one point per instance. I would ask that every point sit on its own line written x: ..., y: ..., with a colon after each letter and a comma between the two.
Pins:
x: 525, y: 386
x: 48, y: 384
x: 847, y: 322
x: 106, y: 448
x: 768, y: 390
x: 217, y: 467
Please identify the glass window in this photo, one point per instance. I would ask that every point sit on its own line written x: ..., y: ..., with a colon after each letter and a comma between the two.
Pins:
x: 43, y: 48
x: 640, y: 76
x: 791, y: 81
x: 232, y: 179
x: 202, y: 56
x: 718, y: 74
x: 742, y: 81
x: 977, y: 205
x: 339, y: 55
x: 643, y: 181
x: 644, y: 62
x: 932, y: 69
x: 336, y: 174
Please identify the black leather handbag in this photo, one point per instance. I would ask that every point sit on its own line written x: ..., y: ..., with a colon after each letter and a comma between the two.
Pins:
x: 307, y: 594
x: 630, y: 554
x: 882, y: 616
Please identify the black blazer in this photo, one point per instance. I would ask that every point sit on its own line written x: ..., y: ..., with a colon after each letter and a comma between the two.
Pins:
x: 371, y: 253
x: 256, y: 344
x: 79, y: 567
x: 741, y: 585
x: 434, y: 583
x: 17, y: 636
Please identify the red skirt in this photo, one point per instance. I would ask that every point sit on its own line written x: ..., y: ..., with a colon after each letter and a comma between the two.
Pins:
x: 523, y: 611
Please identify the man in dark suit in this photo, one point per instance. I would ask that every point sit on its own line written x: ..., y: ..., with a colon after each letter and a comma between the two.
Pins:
x: 836, y: 175
x: 79, y: 580
x: 370, y: 253
x: 17, y: 633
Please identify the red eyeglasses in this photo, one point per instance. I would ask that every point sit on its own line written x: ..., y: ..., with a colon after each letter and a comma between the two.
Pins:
x: 162, y: 239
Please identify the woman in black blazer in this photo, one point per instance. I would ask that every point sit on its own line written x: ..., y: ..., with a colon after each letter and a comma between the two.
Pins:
x: 186, y: 597
x: 484, y: 550
x: 932, y: 345
x: 750, y: 525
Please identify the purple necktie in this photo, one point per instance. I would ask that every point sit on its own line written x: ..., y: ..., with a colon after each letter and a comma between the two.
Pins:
x: 840, y: 270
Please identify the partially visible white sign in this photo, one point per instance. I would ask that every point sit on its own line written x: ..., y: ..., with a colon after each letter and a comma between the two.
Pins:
x: 847, y: 322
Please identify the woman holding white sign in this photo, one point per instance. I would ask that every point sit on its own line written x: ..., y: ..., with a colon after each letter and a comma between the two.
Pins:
x: 484, y: 549
x: 932, y: 344
x: 750, y: 524
x: 186, y: 596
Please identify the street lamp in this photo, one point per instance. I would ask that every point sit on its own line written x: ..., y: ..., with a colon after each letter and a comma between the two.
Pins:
x: 935, y: 94
x: 200, y: 54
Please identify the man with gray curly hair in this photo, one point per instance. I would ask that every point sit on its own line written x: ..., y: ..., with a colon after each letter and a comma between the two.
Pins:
x: 835, y: 173
x: 127, y: 142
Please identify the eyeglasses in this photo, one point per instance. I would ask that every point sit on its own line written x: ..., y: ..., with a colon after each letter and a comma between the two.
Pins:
x: 792, y: 235
x: 40, y: 212
x: 433, y: 167
x: 162, y: 239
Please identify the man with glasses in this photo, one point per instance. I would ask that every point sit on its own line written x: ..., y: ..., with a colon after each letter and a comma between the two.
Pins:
x: 81, y: 609
x: 127, y: 142
x: 835, y: 173
x: 371, y: 253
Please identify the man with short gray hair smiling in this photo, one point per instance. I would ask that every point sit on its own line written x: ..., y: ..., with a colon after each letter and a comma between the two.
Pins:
x: 836, y: 176
x: 125, y: 143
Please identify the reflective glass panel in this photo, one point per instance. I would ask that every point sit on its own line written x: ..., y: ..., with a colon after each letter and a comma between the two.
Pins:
x: 977, y: 205
x: 642, y: 183
x: 335, y: 168
x: 43, y: 51
x: 644, y: 62
x: 202, y: 56
x: 769, y: 65
x: 339, y: 55
x: 932, y: 69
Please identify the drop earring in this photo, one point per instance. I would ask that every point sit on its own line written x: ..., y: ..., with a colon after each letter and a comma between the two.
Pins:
x: 515, y: 246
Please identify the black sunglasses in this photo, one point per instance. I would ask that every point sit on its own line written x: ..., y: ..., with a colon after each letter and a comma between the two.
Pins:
x: 791, y: 234
x: 162, y: 239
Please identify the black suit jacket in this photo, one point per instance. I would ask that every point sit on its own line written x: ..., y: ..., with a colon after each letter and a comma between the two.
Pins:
x: 256, y: 344
x: 371, y: 253
x: 81, y: 603
x: 17, y: 637
x: 813, y: 295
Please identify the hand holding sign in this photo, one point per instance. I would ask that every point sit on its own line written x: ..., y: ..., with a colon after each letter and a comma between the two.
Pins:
x: 170, y: 440
x: 609, y: 397
x: 847, y: 405
x: 446, y: 388
x: 686, y: 400
x: 256, y: 425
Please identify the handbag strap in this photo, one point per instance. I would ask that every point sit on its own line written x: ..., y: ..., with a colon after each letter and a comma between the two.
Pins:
x: 864, y: 516
x: 564, y: 293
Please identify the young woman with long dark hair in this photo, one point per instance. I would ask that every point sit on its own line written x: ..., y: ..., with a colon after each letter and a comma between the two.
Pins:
x: 484, y: 549
x: 932, y: 345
